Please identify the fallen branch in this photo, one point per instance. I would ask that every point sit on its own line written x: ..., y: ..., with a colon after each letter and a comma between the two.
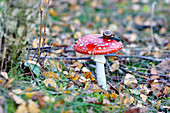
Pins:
x: 114, y: 55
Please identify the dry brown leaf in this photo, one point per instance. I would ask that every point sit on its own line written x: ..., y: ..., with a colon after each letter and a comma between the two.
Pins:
x: 137, y: 110
x: 51, y: 75
x: 129, y: 80
x: 74, y: 76
x: 130, y: 37
x: 95, y: 88
x: 114, y: 66
x: 59, y: 103
x: 156, y: 88
x: 93, y: 100
x: 88, y: 75
x: 158, y: 104
x: 164, y: 65
x: 87, y: 85
x: 167, y: 90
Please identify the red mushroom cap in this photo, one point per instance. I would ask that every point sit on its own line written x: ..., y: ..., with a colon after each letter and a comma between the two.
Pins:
x: 93, y: 45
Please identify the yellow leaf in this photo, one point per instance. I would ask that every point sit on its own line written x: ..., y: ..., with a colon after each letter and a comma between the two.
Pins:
x: 120, y: 10
x: 10, y: 81
x: 33, y: 107
x: 158, y: 104
x: 51, y: 75
x: 1, y: 80
x: 52, y: 12
x: 66, y: 91
x: 113, y: 95
x: 28, y: 89
x: 50, y: 83
x: 61, y: 87
x: 88, y: 75
x: 30, y: 94
x: 74, y: 76
x: 87, y: 85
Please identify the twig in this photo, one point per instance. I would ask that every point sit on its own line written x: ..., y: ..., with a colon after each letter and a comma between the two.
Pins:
x: 44, y: 35
x: 117, y: 92
x: 152, y: 16
x: 114, y: 55
x: 40, y: 32
x: 138, y: 72
x: 3, y: 56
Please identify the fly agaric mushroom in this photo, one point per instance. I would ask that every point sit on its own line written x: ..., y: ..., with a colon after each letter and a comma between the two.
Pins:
x: 97, y: 46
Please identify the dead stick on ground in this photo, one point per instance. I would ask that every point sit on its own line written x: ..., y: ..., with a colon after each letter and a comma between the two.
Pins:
x: 44, y: 35
x: 152, y: 16
x: 114, y: 55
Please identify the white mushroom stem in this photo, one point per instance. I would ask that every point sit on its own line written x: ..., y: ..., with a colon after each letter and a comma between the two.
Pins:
x: 100, y: 71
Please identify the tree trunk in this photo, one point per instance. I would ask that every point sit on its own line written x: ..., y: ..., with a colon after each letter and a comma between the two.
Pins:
x: 16, y: 26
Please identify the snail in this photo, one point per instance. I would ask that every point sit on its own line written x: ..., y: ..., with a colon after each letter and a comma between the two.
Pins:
x: 109, y: 35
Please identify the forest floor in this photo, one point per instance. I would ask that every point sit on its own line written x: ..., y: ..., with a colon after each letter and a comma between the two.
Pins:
x: 62, y: 80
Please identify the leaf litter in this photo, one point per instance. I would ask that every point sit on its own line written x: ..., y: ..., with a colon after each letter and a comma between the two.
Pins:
x: 63, y: 82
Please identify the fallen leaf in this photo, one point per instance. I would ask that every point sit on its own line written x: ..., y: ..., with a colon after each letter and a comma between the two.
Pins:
x: 93, y: 100
x: 85, y: 69
x: 139, y: 104
x: 22, y: 109
x: 156, y: 88
x: 17, y: 99
x: 59, y: 103
x: 4, y: 74
x: 28, y: 89
x: 144, y: 97
x: 114, y: 66
x: 33, y: 107
x: 88, y: 75
x: 68, y: 98
x: 17, y: 91
x: 158, y: 104
x: 83, y: 79
x: 30, y: 94
x: 51, y: 75
x: 129, y: 80
x: 106, y: 101
x: 50, y: 83
x: 113, y: 95
x: 74, y: 76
